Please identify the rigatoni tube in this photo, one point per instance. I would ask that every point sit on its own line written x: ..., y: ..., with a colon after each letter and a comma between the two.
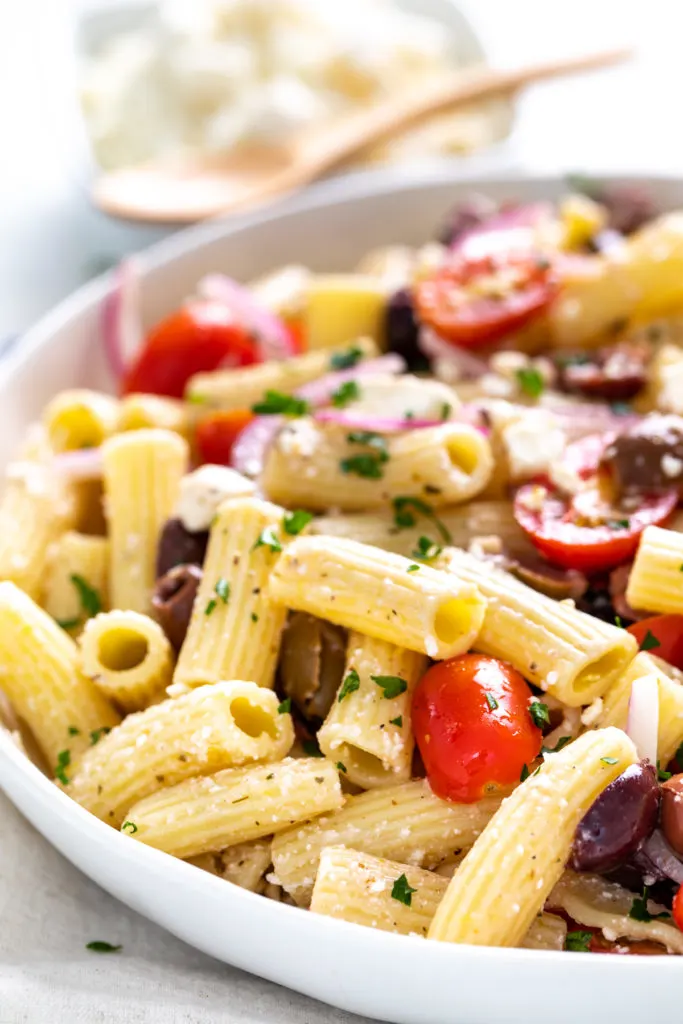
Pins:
x: 656, y: 580
x: 77, y: 568
x: 142, y: 473
x: 573, y: 656
x: 379, y: 594
x: 213, y: 727
x: 368, y: 728
x: 235, y: 806
x: 506, y: 877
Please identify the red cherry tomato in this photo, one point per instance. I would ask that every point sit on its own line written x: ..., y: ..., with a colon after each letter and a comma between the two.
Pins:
x: 472, y: 726
x: 473, y: 302
x: 582, y: 531
x: 199, y: 337
x: 677, y: 908
x: 297, y: 336
x: 217, y: 433
x: 582, y: 458
x: 668, y: 631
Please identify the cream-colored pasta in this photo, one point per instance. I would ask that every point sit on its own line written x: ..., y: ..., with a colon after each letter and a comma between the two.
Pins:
x: 407, y: 823
x: 74, y: 559
x: 212, y: 728
x: 235, y: 631
x: 506, y: 877
x: 34, y: 510
x: 242, y: 388
x: 656, y: 580
x: 670, y: 687
x: 79, y: 419
x: 40, y: 677
x: 236, y: 805
x: 598, y: 903
x: 245, y: 864
x: 141, y: 412
x: 459, y: 526
x: 379, y: 594
x: 128, y: 657
x: 327, y: 465
x: 142, y: 473
x: 572, y: 655
x: 367, y: 730
x: 357, y: 887
x: 664, y: 390
x: 340, y: 308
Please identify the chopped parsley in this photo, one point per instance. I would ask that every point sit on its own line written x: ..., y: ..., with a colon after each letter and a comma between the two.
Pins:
x: 68, y: 623
x: 525, y: 773
x: 540, y: 715
x: 254, y: 617
x: 97, y: 734
x: 102, y: 947
x: 402, y: 891
x: 345, y: 393
x: 618, y: 622
x: 371, y: 438
x: 285, y: 707
x: 294, y: 522
x: 268, y: 539
x: 63, y: 762
x: 427, y: 550
x: 578, y: 942
x: 222, y: 589
x: 610, y: 760
x: 347, y: 359
x: 341, y: 767
x: 491, y: 701
x: 74, y: 731
x: 367, y: 466
x: 404, y: 515
x: 446, y: 410
x: 649, y: 642
x: 350, y: 684
x: 398, y: 721
x: 562, y: 742
x: 680, y: 568
x: 678, y: 756
x: 129, y: 826
x: 91, y: 602
x: 639, y: 911
x: 392, y: 685
x: 413, y: 568
x: 663, y: 776
x: 210, y: 606
x: 618, y: 524
x: 311, y: 748
x: 530, y: 381
x: 276, y: 403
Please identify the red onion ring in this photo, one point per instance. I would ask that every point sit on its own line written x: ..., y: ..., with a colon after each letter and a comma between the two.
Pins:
x: 272, y: 336
x: 469, y: 367
x: 318, y: 392
x: 251, y: 445
x: 83, y: 464
x: 379, y: 424
x: 663, y: 857
x: 121, y: 322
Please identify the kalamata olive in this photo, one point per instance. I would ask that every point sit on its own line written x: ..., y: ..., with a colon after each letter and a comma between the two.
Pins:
x: 615, y: 374
x: 672, y: 813
x: 648, y: 456
x: 172, y: 601
x: 401, y: 330
x: 620, y: 820
x: 466, y: 216
x: 629, y: 207
x: 312, y: 663
x: 177, y: 546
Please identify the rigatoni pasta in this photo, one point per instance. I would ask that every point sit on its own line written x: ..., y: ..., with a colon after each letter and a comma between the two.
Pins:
x: 214, y: 727
x: 380, y: 594
x: 79, y: 419
x: 655, y: 580
x: 77, y: 579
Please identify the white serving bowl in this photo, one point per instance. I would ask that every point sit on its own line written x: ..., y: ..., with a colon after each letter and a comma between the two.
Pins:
x: 406, y: 980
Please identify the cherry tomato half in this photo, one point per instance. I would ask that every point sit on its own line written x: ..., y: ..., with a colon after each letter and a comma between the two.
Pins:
x: 582, y: 531
x: 677, y: 908
x: 667, y: 630
x: 199, y: 337
x: 473, y: 727
x: 473, y: 302
x: 217, y: 433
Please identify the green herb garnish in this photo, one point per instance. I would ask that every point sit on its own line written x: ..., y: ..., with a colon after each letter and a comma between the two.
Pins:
x: 525, y: 773
x: 367, y: 466
x: 610, y: 760
x: 402, y: 891
x: 276, y: 403
x: 97, y: 734
x: 222, y: 589
x: 446, y: 410
x: 649, y: 642
x: 102, y: 947
x: 68, y: 624
x: 562, y: 742
x: 618, y: 524
x: 578, y: 942
x: 63, y: 762
x: 285, y: 707
x: 371, y: 438
x: 74, y: 731
x: 663, y: 776
x: 350, y: 684
x: 398, y: 721
x: 345, y: 393
x: 254, y: 617
x: 294, y: 522
x: 404, y: 515
x: 341, y: 767
x: 311, y: 748
x: 491, y: 701
x: 91, y: 601
x: 129, y: 826
x: 268, y: 539
x: 427, y: 550
x: 210, y: 606
x: 530, y: 381
x: 347, y: 359
x: 540, y: 714
x: 392, y: 685
x: 639, y: 911
x: 413, y: 568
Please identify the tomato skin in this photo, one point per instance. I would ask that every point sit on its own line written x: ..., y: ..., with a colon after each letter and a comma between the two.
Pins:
x: 199, y: 337
x: 217, y: 433
x: 467, y: 743
x: 452, y: 304
x: 677, y: 908
x: 668, y: 629
x: 554, y: 526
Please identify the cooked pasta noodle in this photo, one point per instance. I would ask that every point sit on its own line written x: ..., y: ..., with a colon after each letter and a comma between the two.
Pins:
x: 142, y: 412
x: 79, y: 419
x: 76, y: 560
x: 655, y: 580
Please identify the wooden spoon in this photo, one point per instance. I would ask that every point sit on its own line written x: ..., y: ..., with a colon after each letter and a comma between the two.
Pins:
x: 189, y: 190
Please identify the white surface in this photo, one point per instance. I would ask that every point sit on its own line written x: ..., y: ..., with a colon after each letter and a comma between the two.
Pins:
x: 391, y: 977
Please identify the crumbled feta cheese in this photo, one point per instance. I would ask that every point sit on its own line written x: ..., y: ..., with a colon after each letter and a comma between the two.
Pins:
x: 202, y: 491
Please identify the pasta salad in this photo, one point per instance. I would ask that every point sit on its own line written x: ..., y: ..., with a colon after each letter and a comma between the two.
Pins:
x: 365, y: 591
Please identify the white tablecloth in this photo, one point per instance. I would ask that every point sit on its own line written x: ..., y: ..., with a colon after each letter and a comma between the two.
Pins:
x: 50, y: 238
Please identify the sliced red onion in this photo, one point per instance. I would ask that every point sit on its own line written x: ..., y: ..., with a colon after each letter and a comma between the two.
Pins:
x: 663, y: 857
x: 474, y: 415
x: 378, y: 424
x: 122, y: 330
x: 318, y: 392
x: 83, y: 464
x: 251, y: 446
x: 580, y: 420
x: 643, y: 716
x: 510, y: 230
x: 469, y: 367
x: 272, y: 335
